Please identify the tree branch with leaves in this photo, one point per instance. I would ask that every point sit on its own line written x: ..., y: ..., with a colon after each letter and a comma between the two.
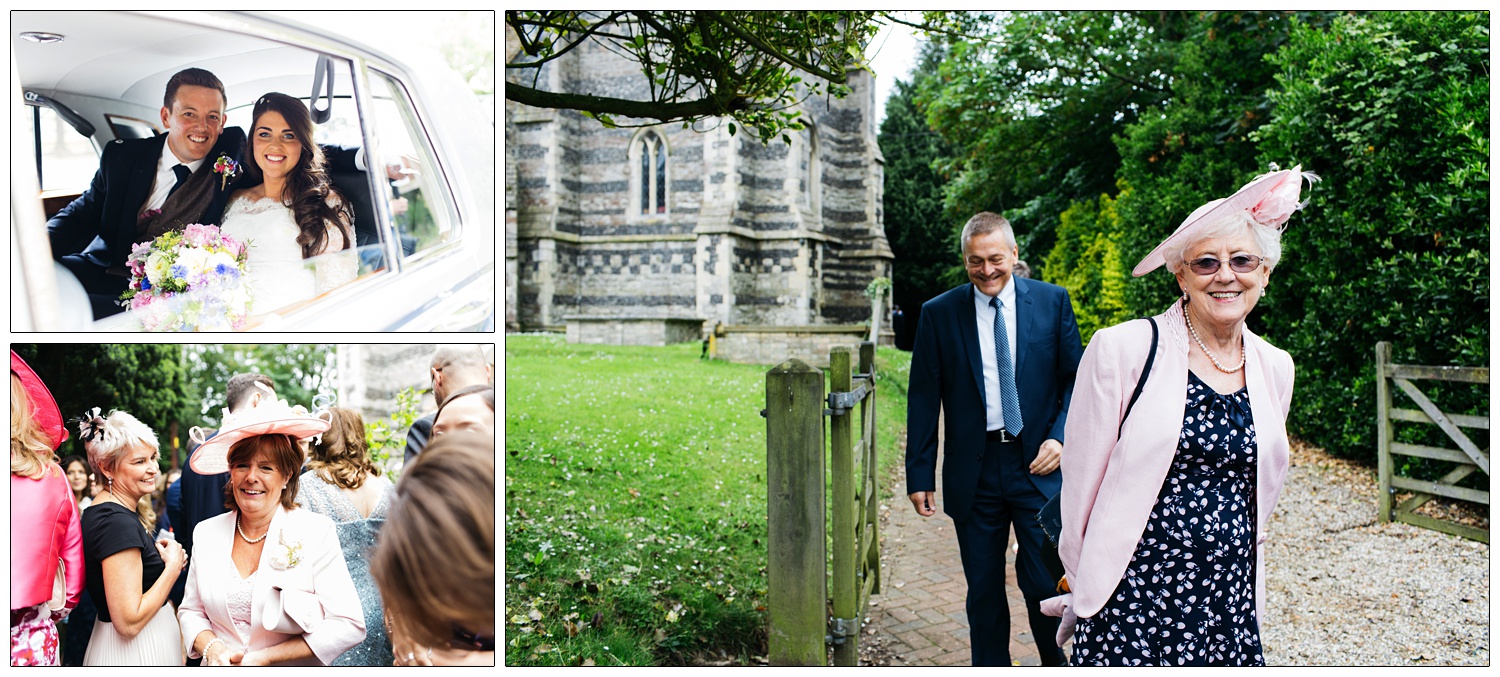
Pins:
x: 751, y: 67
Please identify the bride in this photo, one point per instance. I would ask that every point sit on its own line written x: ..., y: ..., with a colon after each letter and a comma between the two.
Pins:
x: 290, y: 212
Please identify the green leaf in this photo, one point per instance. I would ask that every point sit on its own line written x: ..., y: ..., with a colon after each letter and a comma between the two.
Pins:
x: 732, y: 130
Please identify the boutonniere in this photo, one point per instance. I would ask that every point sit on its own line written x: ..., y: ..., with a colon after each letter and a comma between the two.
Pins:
x: 286, y: 555
x: 148, y: 214
x: 227, y: 169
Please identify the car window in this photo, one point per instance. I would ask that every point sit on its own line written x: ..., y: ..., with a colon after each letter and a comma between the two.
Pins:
x: 68, y: 159
x: 424, y: 218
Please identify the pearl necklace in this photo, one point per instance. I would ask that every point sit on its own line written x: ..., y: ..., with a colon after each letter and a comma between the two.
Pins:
x: 268, y: 531
x: 1206, y: 351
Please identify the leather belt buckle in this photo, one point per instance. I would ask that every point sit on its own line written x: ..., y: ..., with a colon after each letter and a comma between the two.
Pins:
x: 999, y: 435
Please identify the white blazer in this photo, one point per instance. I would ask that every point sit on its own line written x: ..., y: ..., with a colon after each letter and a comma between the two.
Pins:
x: 320, y: 569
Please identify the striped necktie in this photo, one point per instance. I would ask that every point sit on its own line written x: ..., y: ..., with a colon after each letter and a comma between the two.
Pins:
x: 1010, y: 403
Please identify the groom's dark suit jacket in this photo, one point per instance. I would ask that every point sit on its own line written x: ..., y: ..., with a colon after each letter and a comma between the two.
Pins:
x: 946, y: 370
x: 101, y: 223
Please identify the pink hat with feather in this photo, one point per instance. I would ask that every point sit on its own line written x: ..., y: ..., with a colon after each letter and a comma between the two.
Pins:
x: 43, y: 407
x: 1269, y: 198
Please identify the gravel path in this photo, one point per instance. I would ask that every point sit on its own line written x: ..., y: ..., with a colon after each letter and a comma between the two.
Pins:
x: 1345, y: 590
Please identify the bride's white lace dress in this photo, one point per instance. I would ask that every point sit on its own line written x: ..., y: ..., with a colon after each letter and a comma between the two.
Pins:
x: 277, y: 273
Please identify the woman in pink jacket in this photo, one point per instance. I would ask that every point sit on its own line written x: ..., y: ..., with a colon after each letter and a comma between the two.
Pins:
x: 268, y: 583
x: 46, y: 544
x: 1162, y: 518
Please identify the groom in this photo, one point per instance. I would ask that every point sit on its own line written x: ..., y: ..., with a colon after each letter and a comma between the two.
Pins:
x: 173, y: 173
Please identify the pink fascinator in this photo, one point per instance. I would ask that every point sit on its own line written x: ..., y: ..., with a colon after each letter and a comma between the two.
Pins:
x: 1269, y: 198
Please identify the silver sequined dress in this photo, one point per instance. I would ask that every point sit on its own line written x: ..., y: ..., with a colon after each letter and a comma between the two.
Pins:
x: 357, y: 538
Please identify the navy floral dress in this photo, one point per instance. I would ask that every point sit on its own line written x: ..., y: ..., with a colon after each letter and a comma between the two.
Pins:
x: 1188, y: 595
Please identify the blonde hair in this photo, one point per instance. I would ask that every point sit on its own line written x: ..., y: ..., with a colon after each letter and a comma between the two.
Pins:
x: 341, y: 456
x: 112, y: 436
x: 30, y: 447
x: 444, y: 511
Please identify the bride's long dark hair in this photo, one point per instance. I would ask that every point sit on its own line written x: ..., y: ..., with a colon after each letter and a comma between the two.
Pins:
x: 308, y: 186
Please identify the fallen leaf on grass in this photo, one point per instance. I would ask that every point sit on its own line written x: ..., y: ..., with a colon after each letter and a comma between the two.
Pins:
x: 587, y: 663
x: 634, y: 493
x: 534, y: 615
x: 571, y: 627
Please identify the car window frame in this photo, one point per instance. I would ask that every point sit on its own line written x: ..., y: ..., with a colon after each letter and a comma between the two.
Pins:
x: 441, y: 178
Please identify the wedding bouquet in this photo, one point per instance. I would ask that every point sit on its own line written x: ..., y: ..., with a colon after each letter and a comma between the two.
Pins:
x: 192, y: 280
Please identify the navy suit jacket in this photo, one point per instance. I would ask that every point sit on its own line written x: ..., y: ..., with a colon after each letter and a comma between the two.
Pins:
x: 101, y: 223
x: 946, y: 373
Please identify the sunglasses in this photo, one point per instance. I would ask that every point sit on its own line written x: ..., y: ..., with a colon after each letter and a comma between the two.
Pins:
x: 1209, y: 265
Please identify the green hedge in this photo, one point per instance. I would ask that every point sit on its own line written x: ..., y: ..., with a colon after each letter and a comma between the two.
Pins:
x: 1392, y: 109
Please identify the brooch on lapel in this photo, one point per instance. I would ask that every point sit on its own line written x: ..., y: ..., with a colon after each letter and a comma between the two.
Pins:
x: 287, y: 555
x: 227, y: 169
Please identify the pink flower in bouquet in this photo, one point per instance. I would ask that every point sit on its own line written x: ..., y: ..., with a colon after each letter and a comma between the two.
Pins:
x: 200, y: 235
x: 235, y: 247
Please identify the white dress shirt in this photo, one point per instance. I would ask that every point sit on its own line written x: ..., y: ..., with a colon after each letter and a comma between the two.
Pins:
x: 984, y: 316
x: 165, y: 177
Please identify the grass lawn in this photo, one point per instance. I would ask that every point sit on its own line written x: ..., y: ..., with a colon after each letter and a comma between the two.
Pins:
x: 635, y: 502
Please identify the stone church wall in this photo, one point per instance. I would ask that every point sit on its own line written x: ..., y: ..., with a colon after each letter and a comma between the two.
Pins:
x: 779, y: 234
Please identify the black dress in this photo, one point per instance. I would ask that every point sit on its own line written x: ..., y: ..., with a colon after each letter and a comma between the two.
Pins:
x: 1188, y: 595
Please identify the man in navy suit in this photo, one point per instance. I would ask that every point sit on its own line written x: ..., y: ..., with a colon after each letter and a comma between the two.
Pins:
x: 172, y: 172
x: 998, y: 357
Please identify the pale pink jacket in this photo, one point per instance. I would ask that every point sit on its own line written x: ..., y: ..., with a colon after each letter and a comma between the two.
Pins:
x: 43, y: 529
x: 1110, y: 486
x: 320, y: 570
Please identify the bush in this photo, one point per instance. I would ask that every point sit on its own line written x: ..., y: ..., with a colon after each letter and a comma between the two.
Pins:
x: 1393, y: 110
x: 1086, y: 261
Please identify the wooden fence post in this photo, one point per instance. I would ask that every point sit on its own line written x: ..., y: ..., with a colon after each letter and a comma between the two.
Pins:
x: 1383, y: 433
x: 845, y: 594
x: 797, y: 584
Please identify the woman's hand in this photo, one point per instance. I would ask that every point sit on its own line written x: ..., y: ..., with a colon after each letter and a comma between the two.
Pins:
x: 255, y: 658
x: 172, y: 554
x: 219, y: 654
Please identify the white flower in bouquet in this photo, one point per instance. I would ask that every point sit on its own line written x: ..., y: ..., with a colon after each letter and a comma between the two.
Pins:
x: 158, y: 267
x: 195, y: 260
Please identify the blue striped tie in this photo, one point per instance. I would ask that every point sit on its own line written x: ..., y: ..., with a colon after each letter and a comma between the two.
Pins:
x: 1010, y: 403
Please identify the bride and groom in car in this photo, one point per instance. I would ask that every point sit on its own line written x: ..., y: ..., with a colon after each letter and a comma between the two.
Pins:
x: 274, y: 194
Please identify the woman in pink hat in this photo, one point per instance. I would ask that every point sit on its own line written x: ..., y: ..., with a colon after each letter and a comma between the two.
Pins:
x: 1173, y: 469
x: 268, y: 584
x: 46, y: 543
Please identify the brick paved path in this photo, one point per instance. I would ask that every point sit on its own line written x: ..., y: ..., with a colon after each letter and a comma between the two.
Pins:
x: 920, y: 611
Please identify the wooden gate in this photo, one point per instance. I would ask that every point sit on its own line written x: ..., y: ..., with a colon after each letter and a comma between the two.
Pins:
x: 802, y: 618
x: 1468, y: 457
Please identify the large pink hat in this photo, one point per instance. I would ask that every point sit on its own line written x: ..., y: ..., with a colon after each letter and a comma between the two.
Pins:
x: 270, y: 418
x: 43, y: 407
x: 1270, y: 198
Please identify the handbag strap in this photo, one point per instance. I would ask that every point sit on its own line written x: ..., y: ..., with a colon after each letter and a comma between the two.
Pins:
x: 1145, y: 373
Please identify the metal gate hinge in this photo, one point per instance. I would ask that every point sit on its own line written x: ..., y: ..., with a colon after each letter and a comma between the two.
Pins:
x: 842, y: 628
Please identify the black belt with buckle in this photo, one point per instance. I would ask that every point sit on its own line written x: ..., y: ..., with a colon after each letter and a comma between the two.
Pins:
x: 999, y: 435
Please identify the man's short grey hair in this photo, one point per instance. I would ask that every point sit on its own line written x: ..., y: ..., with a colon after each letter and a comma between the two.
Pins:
x: 467, y: 361
x: 1231, y: 225
x: 983, y: 223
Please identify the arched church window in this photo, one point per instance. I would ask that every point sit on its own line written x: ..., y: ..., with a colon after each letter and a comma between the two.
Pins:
x: 653, y: 173
x: 812, y: 179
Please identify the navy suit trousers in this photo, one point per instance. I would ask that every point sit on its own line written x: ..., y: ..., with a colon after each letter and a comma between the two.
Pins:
x: 1005, y: 497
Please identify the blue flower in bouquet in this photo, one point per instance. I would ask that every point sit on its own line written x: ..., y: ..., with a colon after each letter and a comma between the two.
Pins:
x: 179, y: 272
